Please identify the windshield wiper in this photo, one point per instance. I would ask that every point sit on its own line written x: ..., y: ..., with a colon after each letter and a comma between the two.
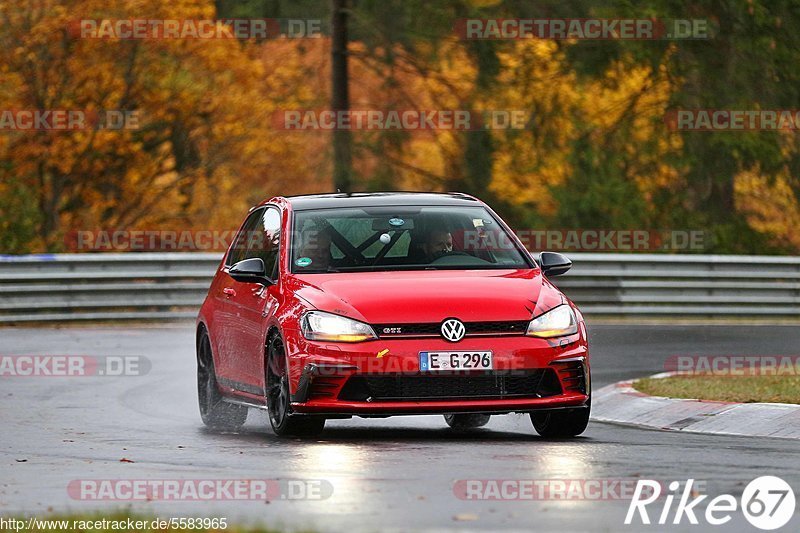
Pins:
x: 318, y: 270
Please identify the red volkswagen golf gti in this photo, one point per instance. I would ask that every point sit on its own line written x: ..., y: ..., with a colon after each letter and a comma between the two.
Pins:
x: 335, y: 305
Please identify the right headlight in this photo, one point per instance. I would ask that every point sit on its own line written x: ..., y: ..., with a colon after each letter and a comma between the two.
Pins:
x: 322, y: 326
x: 557, y: 322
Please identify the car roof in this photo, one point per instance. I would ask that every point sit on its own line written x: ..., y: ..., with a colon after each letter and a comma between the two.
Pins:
x: 377, y: 199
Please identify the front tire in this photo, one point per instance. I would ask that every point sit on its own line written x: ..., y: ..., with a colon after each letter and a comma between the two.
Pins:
x: 214, y: 410
x: 463, y: 422
x: 561, y: 423
x: 284, y: 423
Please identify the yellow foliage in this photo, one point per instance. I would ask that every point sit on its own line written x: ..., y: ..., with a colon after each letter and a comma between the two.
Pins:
x: 203, y: 152
x: 207, y: 149
x: 769, y: 205
x: 563, y: 108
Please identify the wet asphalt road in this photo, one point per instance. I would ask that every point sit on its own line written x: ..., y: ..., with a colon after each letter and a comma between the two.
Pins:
x: 393, y: 474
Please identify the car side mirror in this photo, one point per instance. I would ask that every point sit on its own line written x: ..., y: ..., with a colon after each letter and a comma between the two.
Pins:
x: 250, y: 271
x: 553, y: 264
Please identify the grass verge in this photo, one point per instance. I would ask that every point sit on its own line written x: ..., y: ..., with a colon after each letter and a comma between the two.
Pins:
x: 744, y: 389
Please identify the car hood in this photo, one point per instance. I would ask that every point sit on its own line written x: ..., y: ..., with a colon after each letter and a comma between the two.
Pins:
x: 431, y: 296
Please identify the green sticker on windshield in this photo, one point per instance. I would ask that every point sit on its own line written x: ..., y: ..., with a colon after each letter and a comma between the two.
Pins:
x: 303, y: 261
x: 396, y: 221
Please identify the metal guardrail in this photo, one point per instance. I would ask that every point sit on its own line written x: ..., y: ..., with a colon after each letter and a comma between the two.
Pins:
x: 148, y: 286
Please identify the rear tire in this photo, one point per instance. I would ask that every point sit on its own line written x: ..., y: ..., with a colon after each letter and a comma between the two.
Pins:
x: 562, y: 423
x: 284, y: 423
x: 214, y: 410
x: 467, y: 421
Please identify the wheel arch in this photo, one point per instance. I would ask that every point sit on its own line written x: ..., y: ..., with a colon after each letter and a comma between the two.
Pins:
x: 272, y: 330
x: 201, y: 329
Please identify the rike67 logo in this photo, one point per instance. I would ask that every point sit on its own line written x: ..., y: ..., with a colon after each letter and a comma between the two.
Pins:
x: 767, y: 502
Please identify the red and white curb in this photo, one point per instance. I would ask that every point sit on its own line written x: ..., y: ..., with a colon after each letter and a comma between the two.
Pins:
x: 620, y: 403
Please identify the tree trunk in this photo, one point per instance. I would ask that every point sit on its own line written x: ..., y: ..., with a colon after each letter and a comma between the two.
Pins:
x: 340, y: 99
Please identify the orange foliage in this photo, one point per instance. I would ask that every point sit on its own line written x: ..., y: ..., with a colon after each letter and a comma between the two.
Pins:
x: 207, y: 147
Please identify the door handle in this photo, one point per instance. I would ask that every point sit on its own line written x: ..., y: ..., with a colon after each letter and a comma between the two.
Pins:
x: 229, y: 291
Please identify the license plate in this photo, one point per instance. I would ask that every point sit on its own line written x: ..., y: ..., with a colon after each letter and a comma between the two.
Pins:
x: 433, y: 361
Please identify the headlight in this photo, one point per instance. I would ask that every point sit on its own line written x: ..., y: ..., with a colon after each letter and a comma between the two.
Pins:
x: 557, y: 322
x: 321, y: 326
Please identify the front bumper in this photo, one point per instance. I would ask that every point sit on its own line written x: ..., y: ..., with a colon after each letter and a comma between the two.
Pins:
x: 382, y: 377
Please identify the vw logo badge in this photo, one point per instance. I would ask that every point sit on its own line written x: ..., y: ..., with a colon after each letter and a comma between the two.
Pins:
x: 453, y: 329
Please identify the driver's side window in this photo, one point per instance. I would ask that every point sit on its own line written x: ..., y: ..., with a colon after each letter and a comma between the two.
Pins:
x: 267, y: 245
x: 244, y: 239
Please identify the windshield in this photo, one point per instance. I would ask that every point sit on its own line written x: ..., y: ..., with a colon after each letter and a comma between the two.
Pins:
x: 401, y: 238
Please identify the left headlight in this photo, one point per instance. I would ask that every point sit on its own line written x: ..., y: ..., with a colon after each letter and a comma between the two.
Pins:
x: 557, y: 322
x: 321, y: 326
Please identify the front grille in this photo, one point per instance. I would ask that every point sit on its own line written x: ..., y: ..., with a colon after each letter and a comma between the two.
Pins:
x: 431, y: 329
x: 409, y: 387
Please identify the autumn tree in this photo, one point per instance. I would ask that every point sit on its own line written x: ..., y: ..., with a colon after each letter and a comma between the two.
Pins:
x: 200, y: 136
